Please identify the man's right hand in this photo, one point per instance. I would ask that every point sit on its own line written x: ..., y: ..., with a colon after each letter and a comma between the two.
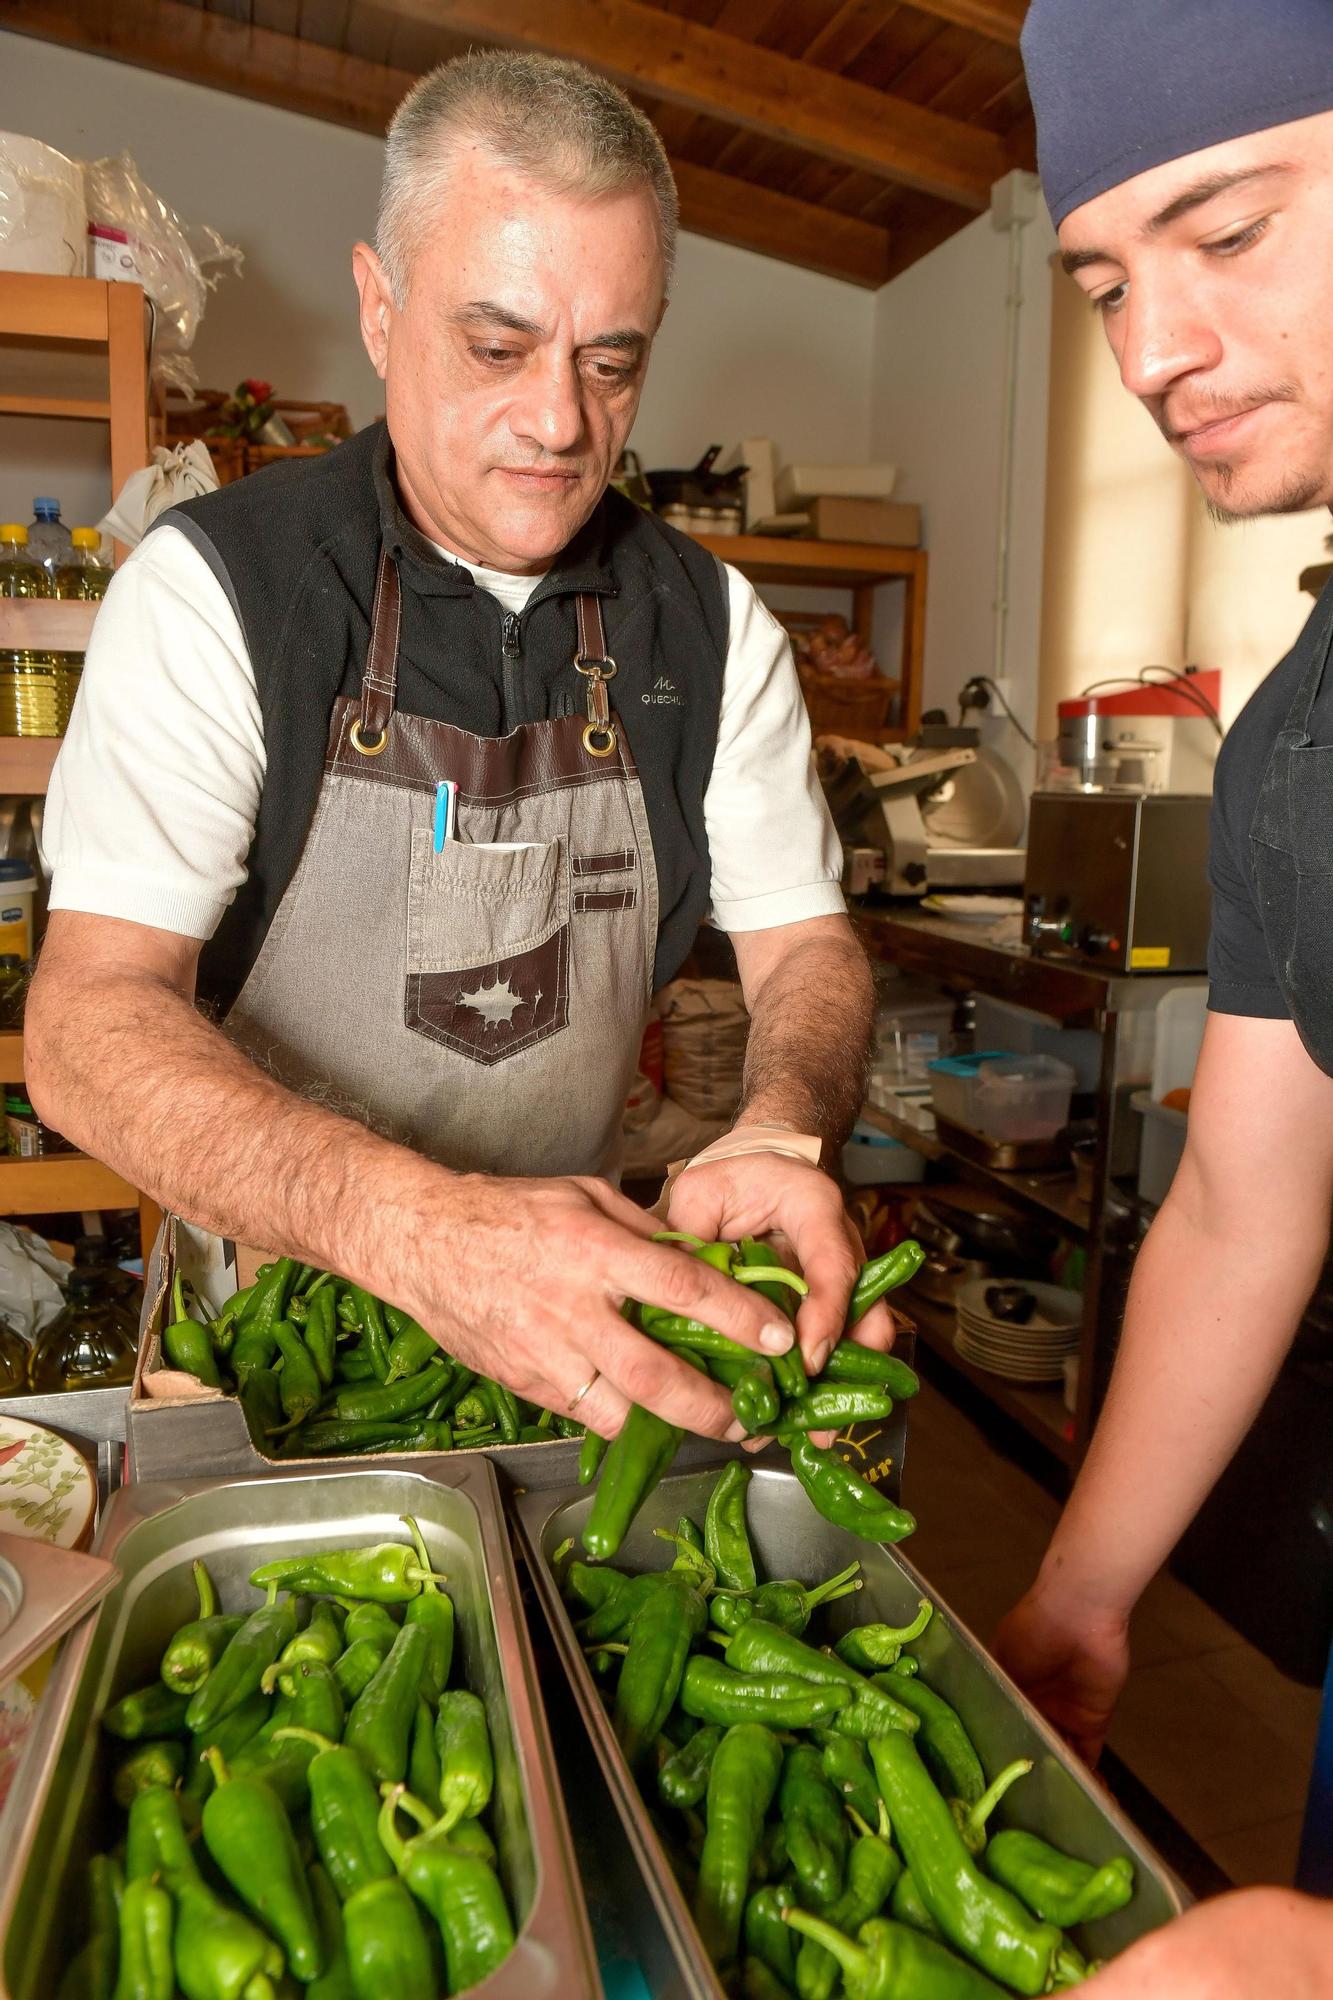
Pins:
x: 526, y: 1282
x: 1071, y: 1665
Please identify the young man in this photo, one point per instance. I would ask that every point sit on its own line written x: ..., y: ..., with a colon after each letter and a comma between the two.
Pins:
x: 1187, y: 156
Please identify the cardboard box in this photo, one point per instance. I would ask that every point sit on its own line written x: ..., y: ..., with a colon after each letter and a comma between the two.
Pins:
x: 803, y: 482
x: 892, y: 523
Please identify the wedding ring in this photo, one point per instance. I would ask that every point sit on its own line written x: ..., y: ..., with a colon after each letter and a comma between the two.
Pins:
x: 579, y: 1394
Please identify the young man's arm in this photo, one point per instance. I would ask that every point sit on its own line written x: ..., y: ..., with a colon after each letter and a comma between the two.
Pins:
x: 1220, y: 1284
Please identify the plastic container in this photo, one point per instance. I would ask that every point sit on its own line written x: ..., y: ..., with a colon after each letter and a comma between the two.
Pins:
x: 910, y: 1033
x: 1160, y: 1146
x: 18, y: 886
x: 1002, y: 1025
x: 49, y: 540
x: 1006, y: 1097
x: 953, y: 1085
x: 872, y: 1158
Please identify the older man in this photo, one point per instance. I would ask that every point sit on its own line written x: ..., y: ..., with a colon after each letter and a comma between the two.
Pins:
x: 420, y: 765
x: 1187, y: 156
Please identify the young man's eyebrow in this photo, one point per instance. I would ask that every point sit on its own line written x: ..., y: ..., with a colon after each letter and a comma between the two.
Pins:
x: 1189, y: 198
x: 1211, y: 185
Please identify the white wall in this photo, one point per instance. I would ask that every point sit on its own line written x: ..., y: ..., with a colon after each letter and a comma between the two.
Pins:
x: 748, y: 344
x: 936, y: 411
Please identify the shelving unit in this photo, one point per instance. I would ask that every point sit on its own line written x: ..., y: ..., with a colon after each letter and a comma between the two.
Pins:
x: 1109, y: 1225
x: 78, y: 314
x: 861, y: 567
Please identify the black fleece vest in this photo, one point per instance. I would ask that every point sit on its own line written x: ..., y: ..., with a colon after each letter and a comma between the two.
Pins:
x: 295, y: 547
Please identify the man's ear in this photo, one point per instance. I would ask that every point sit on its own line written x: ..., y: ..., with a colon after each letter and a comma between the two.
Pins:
x: 377, y: 307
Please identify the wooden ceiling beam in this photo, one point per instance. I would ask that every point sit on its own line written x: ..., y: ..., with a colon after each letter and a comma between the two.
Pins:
x: 665, y: 56
x: 179, y: 40
x: 997, y: 20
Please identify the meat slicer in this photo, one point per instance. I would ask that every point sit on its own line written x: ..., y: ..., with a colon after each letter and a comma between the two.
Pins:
x: 945, y: 813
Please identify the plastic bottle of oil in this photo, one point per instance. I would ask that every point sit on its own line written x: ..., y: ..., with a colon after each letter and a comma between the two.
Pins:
x: 30, y: 681
x: 86, y: 577
x: 90, y: 1344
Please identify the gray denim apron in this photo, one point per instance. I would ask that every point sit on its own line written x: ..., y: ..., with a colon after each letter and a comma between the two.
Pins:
x: 482, y: 1001
x: 1291, y: 842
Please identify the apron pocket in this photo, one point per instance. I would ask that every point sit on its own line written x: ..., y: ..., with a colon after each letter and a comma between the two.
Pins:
x: 488, y: 945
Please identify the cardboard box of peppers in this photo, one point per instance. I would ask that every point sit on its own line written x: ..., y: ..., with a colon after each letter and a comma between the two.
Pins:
x: 323, y: 1368
x: 825, y: 1809
x: 267, y: 1774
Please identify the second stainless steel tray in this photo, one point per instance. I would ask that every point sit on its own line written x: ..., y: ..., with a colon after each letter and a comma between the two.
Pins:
x: 1060, y: 1800
x: 55, y: 1816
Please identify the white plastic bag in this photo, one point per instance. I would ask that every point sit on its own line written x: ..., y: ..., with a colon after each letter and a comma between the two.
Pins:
x: 182, y: 473
x: 30, y: 1297
x: 170, y: 257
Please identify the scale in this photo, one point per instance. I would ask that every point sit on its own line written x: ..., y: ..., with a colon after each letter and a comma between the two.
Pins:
x: 941, y: 812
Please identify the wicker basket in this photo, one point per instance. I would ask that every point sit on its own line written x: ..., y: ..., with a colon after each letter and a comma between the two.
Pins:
x: 303, y: 420
x: 841, y: 707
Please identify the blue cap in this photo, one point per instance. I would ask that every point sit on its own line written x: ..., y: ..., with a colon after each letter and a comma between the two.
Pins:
x: 14, y: 871
x: 46, y: 510
x: 1119, y: 86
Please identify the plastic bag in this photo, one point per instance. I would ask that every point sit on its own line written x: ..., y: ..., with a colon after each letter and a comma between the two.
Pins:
x: 30, y: 1297
x: 170, y: 258
x: 181, y: 473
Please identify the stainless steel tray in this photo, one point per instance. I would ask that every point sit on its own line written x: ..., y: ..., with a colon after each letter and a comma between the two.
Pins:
x: 1061, y: 1799
x: 54, y: 1818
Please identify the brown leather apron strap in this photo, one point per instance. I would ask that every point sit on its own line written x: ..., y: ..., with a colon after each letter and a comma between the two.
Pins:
x: 379, y: 680
x: 597, y: 667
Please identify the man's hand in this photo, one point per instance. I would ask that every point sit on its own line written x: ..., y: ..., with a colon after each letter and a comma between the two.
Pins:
x: 536, y: 1274
x: 1073, y: 1666
x: 767, y: 1194
x: 1256, y: 1944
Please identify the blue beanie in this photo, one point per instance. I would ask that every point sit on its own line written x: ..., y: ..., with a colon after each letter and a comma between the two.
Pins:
x: 1119, y: 86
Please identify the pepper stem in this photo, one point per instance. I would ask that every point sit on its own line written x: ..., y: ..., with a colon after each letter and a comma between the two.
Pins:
x: 698, y: 1561
x: 903, y: 1635
x: 678, y: 1236
x: 268, y: 1680
x: 558, y: 1555
x: 866, y: 1831
x: 408, y: 1802
x: 292, y: 1734
x: 203, y: 1583
x: 217, y: 1764
x: 770, y: 1274
x: 842, y: 1585
x: 390, y: 1839
x: 271, y: 1595
x: 430, y: 1585
x: 607, y: 1646
x: 854, y: 1962
x: 975, y: 1822
x: 179, y: 1310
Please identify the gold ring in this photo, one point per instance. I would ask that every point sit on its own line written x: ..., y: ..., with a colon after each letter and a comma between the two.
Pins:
x: 367, y: 749
x: 595, y: 749
x: 579, y: 1394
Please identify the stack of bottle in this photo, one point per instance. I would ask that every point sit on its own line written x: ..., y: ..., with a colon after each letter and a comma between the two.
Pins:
x: 45, y: 559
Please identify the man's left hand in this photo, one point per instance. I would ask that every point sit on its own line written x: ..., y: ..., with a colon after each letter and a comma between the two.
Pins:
x: 769, y: 1195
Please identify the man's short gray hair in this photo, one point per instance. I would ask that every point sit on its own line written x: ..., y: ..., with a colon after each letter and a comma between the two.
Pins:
x: 570, y: 129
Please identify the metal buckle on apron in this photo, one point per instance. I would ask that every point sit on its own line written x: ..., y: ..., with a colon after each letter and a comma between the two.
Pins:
x: 599, y: 738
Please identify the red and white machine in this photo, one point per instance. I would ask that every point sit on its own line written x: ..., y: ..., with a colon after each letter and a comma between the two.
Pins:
x: 1156, y: 736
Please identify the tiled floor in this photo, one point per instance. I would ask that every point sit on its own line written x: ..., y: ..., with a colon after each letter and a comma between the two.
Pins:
x: 1220, y: 1738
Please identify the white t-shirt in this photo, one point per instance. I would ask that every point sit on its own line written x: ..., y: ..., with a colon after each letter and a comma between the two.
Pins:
x: 155, y: 793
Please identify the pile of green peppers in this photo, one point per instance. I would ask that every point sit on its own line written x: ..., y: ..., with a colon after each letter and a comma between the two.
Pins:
x: 305, y: 1795
x: 323, y: 1368
x: 770, y: 1397
x: 824, y: 1808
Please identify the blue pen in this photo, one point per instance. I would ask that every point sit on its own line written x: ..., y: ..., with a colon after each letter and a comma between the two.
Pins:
x: 446, y: 793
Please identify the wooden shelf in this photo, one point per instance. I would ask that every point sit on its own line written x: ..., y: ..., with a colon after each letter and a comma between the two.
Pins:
x: 25, y: 765
x: 64, y: 1181
x: 47, y: 624
x: 91, y: 410
x: 791, y: 559
x: 1040, y: 1411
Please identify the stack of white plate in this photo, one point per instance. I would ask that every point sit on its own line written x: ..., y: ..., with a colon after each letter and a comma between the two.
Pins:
x: 1032, y: 1353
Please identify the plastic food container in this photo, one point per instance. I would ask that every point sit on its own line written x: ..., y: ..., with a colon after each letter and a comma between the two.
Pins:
x: 55, y: 1818
x: 1060, y: 1799
x: 1002, y: 1025
x: 1009, y: 1098
x: 910, y: 1034
x: 872, y: 1158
